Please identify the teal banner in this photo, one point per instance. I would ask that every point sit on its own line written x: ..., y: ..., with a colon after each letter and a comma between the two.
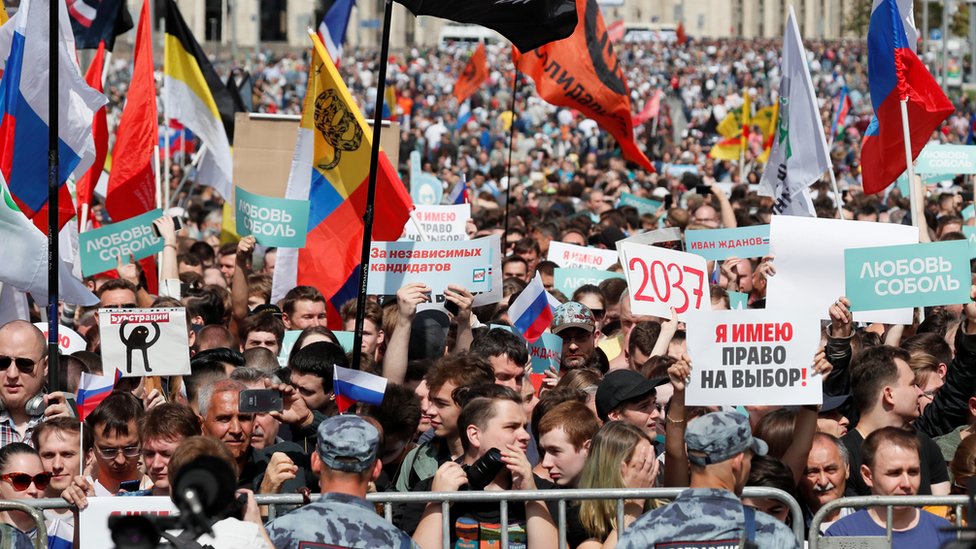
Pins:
x: 279, y: 222
x: 719, y: 244
x: 970, y: 232
x: 101, y: 248
x: 738, y: 300
x: 912, y: 275
x: 643, y: 205
x: 568, y: 280
x: 946, y: 159
x: 968, y: 212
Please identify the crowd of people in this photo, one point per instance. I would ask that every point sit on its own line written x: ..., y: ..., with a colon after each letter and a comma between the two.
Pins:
x: 459, y: 411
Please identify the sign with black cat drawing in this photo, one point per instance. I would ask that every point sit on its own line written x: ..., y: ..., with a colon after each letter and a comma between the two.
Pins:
x: 145, y: 342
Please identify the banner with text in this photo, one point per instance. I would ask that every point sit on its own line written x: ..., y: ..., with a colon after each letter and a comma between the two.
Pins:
x: 93, y: 520
x: 970, y: 232
x: 667, y: 237
x: 280, y: 222
x: 643, y: 205
x: 440, y: 223
x: 101, y: 248
x: 69, y: 341
x: 145, y: 342
x: 946, y: 159
x: 912, y: 275
x: 545, y: 353
x: 568, y: 280
x: 720, y: 244
x: 437, y: 264
x: 659, y: 279
x: 755, y: 357
x: 571, y: 256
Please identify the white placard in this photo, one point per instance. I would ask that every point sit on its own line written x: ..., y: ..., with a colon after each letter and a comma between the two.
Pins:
x: 571, y: 256
x: 755, y: 357
x: 145, y: 342
x: 809, y: 260
x: 440, y: 223
x: 657, y: 236
x: 69, y: 341
x: 93, y: 526
x: 494, y: 272
x: 659, y: 279
x: 437, y: 264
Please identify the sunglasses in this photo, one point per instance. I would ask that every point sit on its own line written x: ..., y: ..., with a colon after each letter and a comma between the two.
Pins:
x: 112, y: 453
x: 22, y: 481
x: 25, y: 365
x: 598, y: 313
x: 120, y: 306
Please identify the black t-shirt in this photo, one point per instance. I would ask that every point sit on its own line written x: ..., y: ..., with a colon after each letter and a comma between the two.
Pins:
x: 575, y: 533
x: 933, y: 466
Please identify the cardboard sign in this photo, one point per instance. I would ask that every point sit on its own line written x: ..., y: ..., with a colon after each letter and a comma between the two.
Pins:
x: 145, y: 342
x: 494, y: 294
x: 946, y: 159
x: 440, y: 223
x: 545, y: 353
x: 69, y: 341
x: 970, y: 232
x: 809, y: 263
x: 571, y: 256
x: 668, y: 237
x: 280, y: 222
x: 568, y: 281
x: 659, y: 279
x: 437, y: 264
x: 643, y: 205
x: 756, y: 357
x: 425, y: 189
x: 720, y: 244
x: 101, y: 248
x: 913, y: 275
x: 93, y: 525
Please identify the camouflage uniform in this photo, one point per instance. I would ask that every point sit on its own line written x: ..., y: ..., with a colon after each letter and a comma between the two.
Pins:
x: 706, y: 517
x: 349, y: 444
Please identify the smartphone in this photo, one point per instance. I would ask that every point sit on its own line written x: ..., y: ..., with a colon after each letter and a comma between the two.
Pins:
x: 668, y: 202
x: 259, y: 401
x: 129, y: 486
x: 703, y: 189
x: 177, y: 225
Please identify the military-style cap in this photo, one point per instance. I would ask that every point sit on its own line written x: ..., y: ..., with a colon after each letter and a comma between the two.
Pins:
x: 573, y: 315
x: 716, y: 437
x: 348, y: 443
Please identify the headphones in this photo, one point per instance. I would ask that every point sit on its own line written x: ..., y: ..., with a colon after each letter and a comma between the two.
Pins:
x: 34, y: 407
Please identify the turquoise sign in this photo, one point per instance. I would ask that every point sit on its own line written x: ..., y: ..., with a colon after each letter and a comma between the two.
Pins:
x: 425, y: 189
x: 719, y: 244
x: 911, y: 275
x: 101, y: 248
x: 279, y: 222
x: 568, y: 280
x: 643, y: 205
x: 968, y: 212
x: 738, y: 300
x: 946, y: 159
x: 970, y: 232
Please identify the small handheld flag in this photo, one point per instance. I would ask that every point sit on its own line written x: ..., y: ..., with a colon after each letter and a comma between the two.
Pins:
x: 352, y: 386
x: 531, y: 312
x: 92, y: 390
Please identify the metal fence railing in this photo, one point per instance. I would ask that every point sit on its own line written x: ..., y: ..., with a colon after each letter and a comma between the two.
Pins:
x: 35, y: 512
x: 817, y: 540
x: 561, y: 497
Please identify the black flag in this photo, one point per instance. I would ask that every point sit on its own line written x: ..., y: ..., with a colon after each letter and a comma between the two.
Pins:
x: 527, y: 23
x: 95, y: 20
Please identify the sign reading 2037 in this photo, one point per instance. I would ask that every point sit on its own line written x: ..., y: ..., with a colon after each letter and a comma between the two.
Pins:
x: 659, y: 279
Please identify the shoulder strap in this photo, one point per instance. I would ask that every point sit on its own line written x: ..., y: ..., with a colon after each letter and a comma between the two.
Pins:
x: 748, y: 540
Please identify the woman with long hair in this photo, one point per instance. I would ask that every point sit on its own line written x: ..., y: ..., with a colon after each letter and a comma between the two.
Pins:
x: 22, y: 476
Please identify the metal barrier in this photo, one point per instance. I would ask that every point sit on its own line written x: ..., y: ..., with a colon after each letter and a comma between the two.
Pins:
x: 36, y: 514
x: 389, y: 499
x: 889, y: 502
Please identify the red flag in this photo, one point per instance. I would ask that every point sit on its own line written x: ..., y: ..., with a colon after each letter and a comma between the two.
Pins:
x: 682, y: 37
x: 617, y: 30
x: 87, y: 182
x: 131, y: 183
x: 651, y: 109
x: 582, y: 72
x: 474, y: 75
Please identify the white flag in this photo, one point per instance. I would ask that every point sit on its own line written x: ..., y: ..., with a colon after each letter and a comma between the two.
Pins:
x: 799, y: 155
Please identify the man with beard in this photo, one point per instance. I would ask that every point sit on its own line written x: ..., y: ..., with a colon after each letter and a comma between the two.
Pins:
x: 574, y: 323
x: 824, y: 478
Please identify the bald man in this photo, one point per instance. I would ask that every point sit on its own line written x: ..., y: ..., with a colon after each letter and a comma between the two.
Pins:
x: 23, y: 369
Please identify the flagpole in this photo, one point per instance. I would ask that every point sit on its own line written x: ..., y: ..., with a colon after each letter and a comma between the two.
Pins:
x: 53, y: 169
x: 374, y: 158
x: 912, y: 187
x: 511, y: 146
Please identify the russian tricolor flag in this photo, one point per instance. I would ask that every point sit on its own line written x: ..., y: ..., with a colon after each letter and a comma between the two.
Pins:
x: 352, y: 386
x: 895, y: 73
x: 843, y: 109
x: 92, y: 390
x: 531, y: 312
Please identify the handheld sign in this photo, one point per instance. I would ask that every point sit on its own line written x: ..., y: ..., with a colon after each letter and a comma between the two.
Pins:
x: 571, y: 256
x: 568, y: 281
x: 659, y: 279
x: 668, y: 237
x: 913, y: 275
x: 280, y: 222
x: 946, y: 159
x: 425, y: 189
x: 722, y: 244
x: 101, y: 248
x: 145, y: 342
x: 968, y: 212
x: 437, y: 264
x: 93, y: 520
x: 494, y: 294
x: 643, y: 205
x: 756, y: 357
x: 544, y: 353
x: 69, y: 341
x: 970, y: 232
x: 440, y: 223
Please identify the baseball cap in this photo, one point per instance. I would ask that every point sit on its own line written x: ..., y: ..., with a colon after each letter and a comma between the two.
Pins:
x: 716, y: 437
x: 833, y: 402
x: 608, y: 237
x: 348, y: 443
x: 620, y: 386
x: 572, y: 314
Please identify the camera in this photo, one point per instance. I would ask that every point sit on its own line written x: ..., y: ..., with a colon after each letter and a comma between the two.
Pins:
x: 483, y: 471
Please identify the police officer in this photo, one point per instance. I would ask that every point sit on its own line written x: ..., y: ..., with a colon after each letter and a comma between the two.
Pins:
x: 346, y: 462
x: 709, y: 514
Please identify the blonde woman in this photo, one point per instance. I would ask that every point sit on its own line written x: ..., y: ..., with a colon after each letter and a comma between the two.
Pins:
x: 621, y: 456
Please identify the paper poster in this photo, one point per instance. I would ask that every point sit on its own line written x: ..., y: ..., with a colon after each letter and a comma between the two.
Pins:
x: 280, y: 222
x: 738, y: 300
x: 93, y: 521
x: 101, y: 248
x: 571, y: 256
x: 911, y: 275
x: 668, y: 237
x: 145, y: 342
x: 69, y: 341
x: 970, y: 232
x: 721, y: 244
x: 643, y: 205
x: 439, y: 223
x: 291, y: 336
x: 659, y: 279
x: 756, y: 357
x: 546, y: 352
x: 494, y: 294
x: 425, y: 188
x: 946, y: 159
x: 568, y: 281
x: 436, y: 264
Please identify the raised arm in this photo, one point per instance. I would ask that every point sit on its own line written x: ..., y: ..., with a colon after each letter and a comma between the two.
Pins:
x: 396, y: 357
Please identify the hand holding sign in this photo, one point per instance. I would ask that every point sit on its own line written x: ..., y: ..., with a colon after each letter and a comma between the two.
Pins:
x: 660, y: 279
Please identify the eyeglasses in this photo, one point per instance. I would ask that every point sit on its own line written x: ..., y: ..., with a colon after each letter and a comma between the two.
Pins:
x: 22, y: 481
x: 598, y: 313
x: 112, y: 453
x: 25, y: 365
x: 120, y: 306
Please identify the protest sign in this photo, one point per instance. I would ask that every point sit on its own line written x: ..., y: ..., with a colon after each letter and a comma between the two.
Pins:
x: 546, y: 352
x: 288, y: 343
x: 660, y: 279
x: 568, y: 280
x: 280, y: 222
x: 439, y: 223
x: 145, y: 342
x: 677, y: 170
x: 425, y: 188
x: 101, y: 248
x: 437, y: 264
x: 911, y: 275
x: 93, y: 520
x: 69, y: 341
x: 494, y: 294
x: 754, y: 357
x: 720, y: 244
x: 968, y: 212
x: 643, y: 205
x: 571, y: 256
x: 738, y: 300
x: 668, y: 237
x: 946, y: 159
x: 970, y: 232
x: 809, y: 263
